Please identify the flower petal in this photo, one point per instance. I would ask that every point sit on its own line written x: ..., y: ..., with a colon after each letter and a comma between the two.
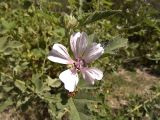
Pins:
x: 59, y: 54
x: 93, y: 52
x: 70, y: 79
x: 78, y: 42
x: 92, y: 74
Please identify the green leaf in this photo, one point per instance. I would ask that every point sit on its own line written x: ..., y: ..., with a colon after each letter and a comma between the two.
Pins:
x: 52, y: 110
x: 7, y: 25
x: 59, y: 32
x: 22, y: 101
x: 92, y: 38
x: 15, y: 44
x: 8, y: 51
x: 3, y: 43
x: 116, y: 43
x: 38, y: 83
x: 20, y: 85
x: 53, y: 82
x: 38, y: 53
x: 98, y: 15
x: 8, y: 45
x: 154, y: 59
x: 1, y: 95
x: 154, y: 56
x: 5, y: 104
x: 7, y: 88
x: 78, y: 105
x: 74, y: 114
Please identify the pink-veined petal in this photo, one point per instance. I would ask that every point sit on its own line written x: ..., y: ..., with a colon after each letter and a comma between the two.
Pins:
x: 78, y: 42
x: 70, y: 79
x: 59, y: 54
x: 93, y: 52
x: 92, y: 74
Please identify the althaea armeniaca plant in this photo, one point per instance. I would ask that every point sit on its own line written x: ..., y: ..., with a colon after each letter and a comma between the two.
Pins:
x: 84, y: 53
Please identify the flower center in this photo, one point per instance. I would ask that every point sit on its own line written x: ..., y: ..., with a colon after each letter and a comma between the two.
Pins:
x: 79, y: 64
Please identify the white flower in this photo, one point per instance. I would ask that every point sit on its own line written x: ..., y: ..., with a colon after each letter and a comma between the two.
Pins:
x: 84, y: 53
